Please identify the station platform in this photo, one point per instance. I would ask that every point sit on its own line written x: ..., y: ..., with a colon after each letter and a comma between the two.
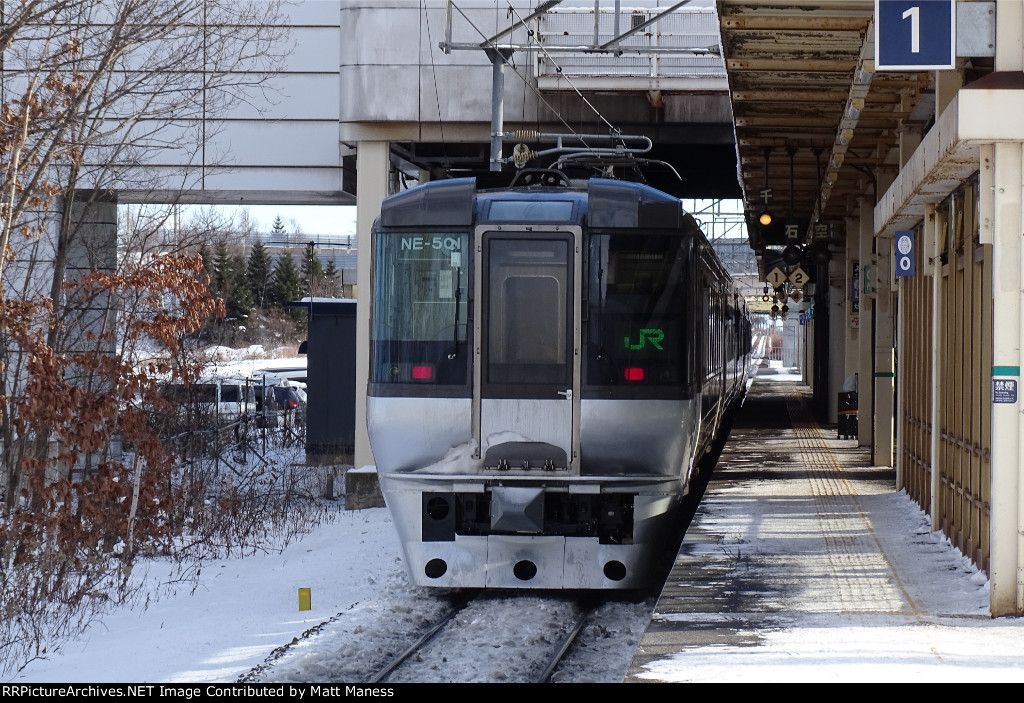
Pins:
x: 804, y: 563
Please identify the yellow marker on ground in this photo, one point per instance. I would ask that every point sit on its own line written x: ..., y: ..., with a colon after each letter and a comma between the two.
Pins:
x: 305, y: 599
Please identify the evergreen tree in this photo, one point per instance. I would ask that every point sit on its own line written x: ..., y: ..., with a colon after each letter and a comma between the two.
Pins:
x: 332, y: 281
x: 287, y: 282
x: 260, y: 276
x: 220, y: 269
x: 278, y: 230
x: 229, y: 282
x: 240, y: 302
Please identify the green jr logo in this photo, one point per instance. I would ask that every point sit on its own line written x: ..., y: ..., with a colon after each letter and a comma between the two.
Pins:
x: 652, y: 336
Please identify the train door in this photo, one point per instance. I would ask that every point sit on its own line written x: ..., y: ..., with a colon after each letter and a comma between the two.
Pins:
x: 527, y: 376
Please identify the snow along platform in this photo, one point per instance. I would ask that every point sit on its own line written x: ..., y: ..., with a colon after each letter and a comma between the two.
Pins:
x: 804, y: 563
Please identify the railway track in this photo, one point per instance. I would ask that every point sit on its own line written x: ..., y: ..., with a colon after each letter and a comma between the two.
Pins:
x: 492, y: 637
x: 468, y: 644
x: 427, y: 636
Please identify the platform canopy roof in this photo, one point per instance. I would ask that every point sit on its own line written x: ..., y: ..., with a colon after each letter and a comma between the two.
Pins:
x: 814, y: 121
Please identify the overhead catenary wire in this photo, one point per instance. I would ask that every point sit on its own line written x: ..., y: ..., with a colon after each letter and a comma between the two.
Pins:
x: 558, y: 69
x: 433, y: 73
x: 487, y: 43
x: 614, y: 132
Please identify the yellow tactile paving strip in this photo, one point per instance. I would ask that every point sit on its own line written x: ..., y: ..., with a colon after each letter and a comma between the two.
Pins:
x: 859, y: 576
x: 782, y: 533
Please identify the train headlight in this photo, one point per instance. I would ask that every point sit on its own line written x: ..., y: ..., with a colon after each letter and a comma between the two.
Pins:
x: 765, y: 219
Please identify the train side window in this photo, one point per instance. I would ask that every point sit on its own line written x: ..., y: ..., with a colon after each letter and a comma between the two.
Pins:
x: 637, y: 321
x: 420, y: 309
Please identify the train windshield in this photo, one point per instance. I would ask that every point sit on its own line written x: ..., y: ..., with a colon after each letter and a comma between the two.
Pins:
x: 637, y: 294
x: 420, y: 309
x: 528, y: 332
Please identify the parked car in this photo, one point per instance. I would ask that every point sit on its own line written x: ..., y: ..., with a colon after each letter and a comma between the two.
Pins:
x: 229, y: 399
x: 282, y: 405
x: 291, y: 399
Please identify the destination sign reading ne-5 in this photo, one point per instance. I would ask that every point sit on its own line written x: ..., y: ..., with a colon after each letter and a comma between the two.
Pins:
x: 435, y: 243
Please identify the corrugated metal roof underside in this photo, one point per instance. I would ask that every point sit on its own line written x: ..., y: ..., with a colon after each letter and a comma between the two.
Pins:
x: 803, y: 86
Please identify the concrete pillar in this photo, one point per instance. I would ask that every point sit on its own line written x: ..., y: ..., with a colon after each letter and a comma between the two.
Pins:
x: 852, y: 295
x: 86, y: 323
x: 838, y: 325
x: 884, y: 320
x: 1006, y: 556
x: 373, y: 164
x: 865, y: 356
x: 791, y: 341
x: 883, y: 352
x: 806, y: 359
x: 1006, y: 362
x: 92, y: 247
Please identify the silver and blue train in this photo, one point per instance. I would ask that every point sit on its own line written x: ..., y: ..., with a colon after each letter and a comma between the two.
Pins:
x: 549, y: 363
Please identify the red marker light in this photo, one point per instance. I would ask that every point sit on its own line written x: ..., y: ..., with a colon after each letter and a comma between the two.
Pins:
x: 634, y: 374
x: 422, y: 373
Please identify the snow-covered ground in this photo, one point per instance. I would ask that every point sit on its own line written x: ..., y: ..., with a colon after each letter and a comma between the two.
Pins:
x: 245, y: 609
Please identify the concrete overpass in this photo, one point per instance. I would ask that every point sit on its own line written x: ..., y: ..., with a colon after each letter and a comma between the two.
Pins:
x: 666, y: 82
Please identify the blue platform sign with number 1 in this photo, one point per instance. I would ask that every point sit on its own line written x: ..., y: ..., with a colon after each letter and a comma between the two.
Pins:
x: 905, y: 252
x: 915, y: 35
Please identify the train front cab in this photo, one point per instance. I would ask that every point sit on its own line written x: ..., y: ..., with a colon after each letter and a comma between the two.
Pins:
x: 531, y: 404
